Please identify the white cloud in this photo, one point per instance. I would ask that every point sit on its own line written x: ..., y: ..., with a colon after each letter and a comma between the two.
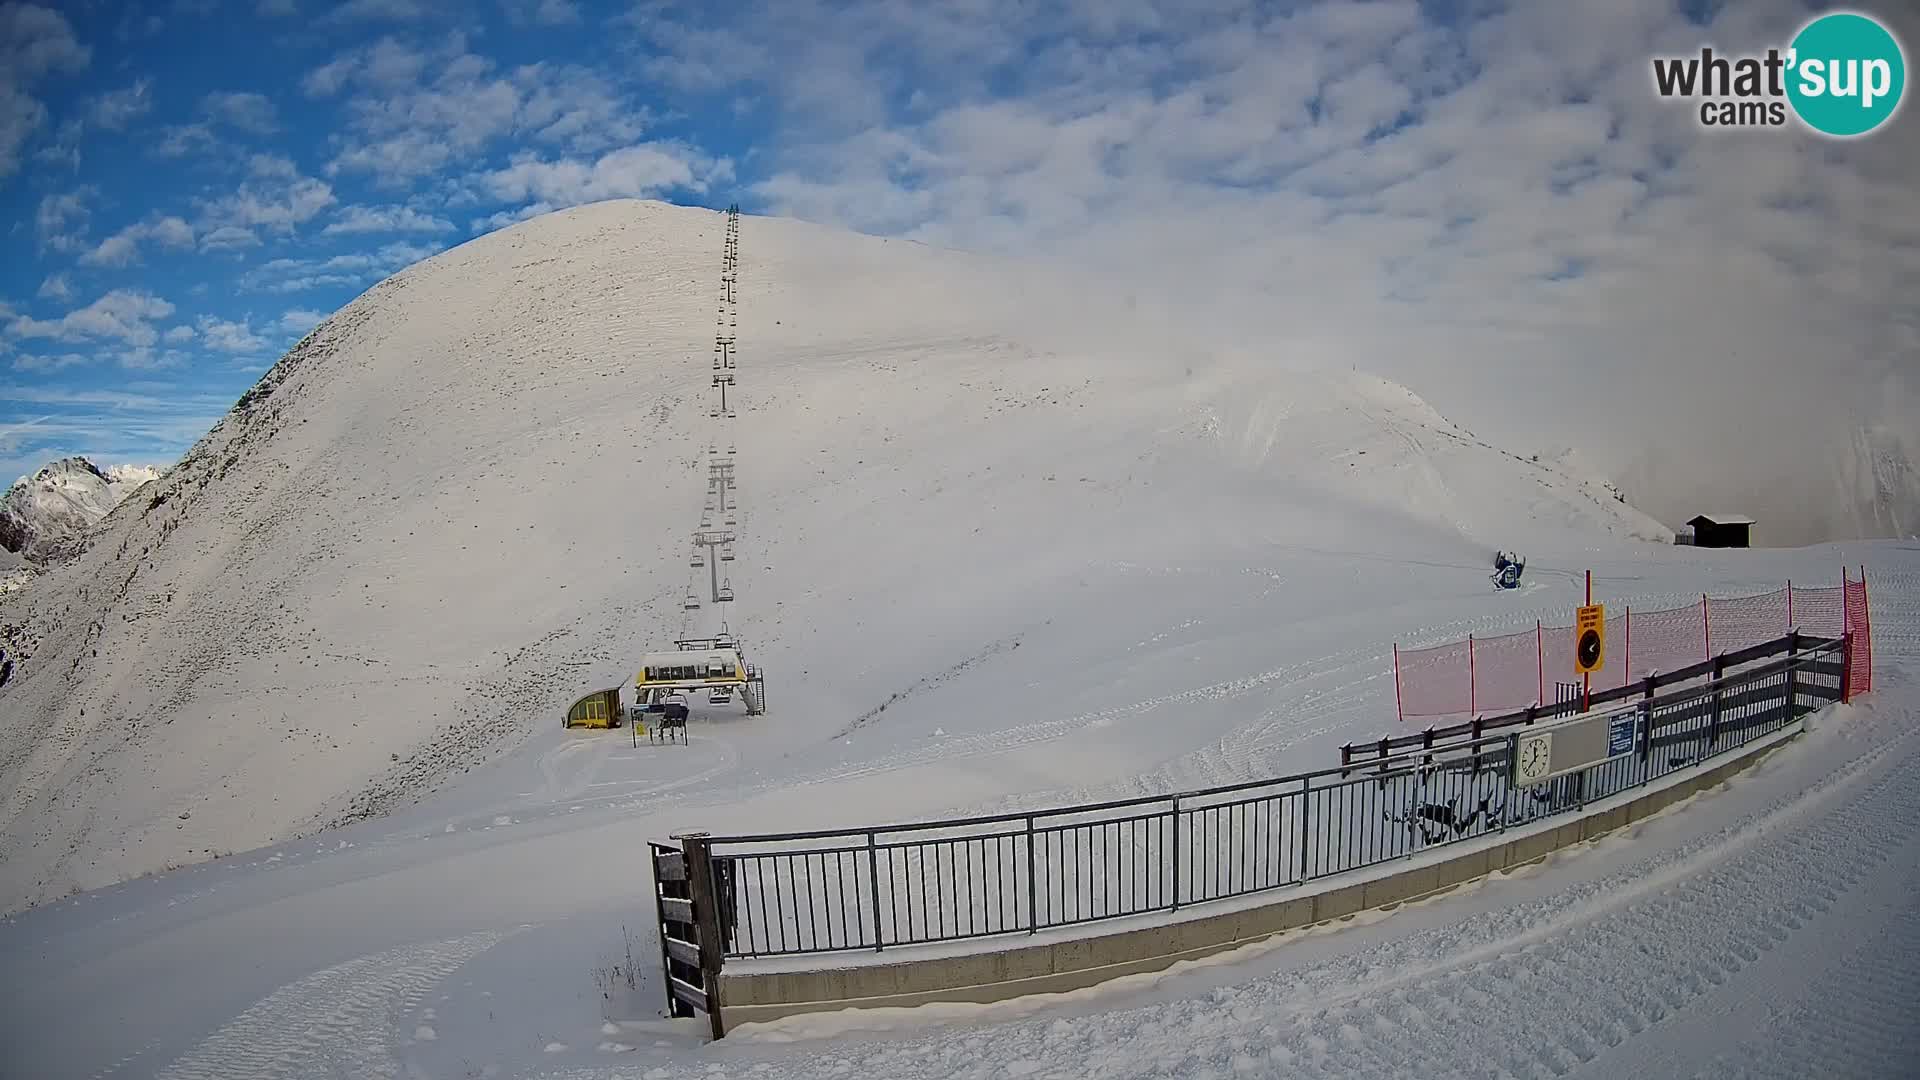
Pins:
x: 61, y: 220
x: 229, y: 238
x: 272, y: 165
x: 185, y: 140
x: 145, y: 358
x: 635, y: 172
x: 355, y: 268
x: 541, y: 12
x: 416, y: 112
x: 178, y: 335
x: 380, y: 11
x: 277, y: 201
x: 133, y: 25
x: 504, y: 218
x: 300, y: 320
x: 125, y: 315
x: 41, y: 362
x: 1364, y: 185
x: 55, y: 287
x: 388, y: 219
x: 244, y: 110
x: 227, y: 336
x: 123, y: 247
x: 34, y: 41
x: 116, y: 109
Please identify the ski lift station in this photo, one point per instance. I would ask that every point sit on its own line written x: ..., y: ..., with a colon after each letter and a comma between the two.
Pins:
x: 713, y: 665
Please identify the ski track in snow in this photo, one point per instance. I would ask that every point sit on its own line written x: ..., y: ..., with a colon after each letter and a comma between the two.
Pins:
x: 336, y: 1022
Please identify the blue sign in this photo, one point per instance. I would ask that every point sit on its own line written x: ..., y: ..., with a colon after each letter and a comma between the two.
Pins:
x: 1620, y: 734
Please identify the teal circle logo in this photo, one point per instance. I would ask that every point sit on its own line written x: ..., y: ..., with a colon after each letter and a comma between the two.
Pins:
x: 1847, y: 74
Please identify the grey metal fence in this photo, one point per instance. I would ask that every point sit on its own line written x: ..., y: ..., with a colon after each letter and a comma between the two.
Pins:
x: 873, y: 888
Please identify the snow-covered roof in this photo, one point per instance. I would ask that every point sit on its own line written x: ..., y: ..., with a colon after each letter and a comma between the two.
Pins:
x: 690, y: 658
x: 1724, y: 519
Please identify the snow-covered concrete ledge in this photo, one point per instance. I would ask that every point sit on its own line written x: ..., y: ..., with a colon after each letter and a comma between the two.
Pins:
x: 985, y: 970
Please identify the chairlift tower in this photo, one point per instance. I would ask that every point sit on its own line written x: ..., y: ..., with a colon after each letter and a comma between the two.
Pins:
x: 721, y: 590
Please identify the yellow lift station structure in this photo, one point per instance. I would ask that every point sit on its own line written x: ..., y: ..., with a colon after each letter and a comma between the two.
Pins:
x: 600, y: 709
x: 712, y: 665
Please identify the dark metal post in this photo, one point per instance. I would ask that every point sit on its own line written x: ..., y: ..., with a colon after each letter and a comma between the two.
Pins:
x: 1793, y: 670
x: 706, y: 915
x: 1713, y: 717
x: 1176, y: 851
x: 1846, y: 656
x: 1646, y: 726
x: 1305, y: 841
x: 873, y: 885
x: 1033, y: 886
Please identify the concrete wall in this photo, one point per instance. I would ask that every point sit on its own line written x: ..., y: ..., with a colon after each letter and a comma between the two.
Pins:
x: 1051, y: 966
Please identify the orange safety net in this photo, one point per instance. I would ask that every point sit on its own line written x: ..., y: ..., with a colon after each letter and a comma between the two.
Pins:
x: 1513, y: 671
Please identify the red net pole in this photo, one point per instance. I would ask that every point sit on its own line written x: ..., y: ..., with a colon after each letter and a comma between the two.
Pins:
x: 1866, y: 624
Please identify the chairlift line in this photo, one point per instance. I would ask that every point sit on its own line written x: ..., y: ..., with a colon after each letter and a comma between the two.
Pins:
x: 712, y: 546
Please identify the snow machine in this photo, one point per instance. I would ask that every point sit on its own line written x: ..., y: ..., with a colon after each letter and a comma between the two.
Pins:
x: 1507, y: 568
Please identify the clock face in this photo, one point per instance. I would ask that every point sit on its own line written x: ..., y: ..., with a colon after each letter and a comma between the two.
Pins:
x: 1535, y: 754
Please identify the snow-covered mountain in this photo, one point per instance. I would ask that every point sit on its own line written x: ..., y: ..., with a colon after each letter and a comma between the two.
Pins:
x: 465, y: 498
x: 46, y: 516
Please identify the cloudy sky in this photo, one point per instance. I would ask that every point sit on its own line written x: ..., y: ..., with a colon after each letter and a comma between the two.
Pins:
x: 1485, y: 200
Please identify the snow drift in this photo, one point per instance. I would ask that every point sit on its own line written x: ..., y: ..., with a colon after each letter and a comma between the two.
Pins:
x: 465, y: 497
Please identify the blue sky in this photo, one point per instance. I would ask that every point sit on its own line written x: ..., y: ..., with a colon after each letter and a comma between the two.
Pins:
x: 194, y: 184
x: 1482, y: 199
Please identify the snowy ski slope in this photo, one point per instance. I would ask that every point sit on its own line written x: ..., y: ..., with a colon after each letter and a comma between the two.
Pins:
x: 952, y: 619
x: 465, y: 499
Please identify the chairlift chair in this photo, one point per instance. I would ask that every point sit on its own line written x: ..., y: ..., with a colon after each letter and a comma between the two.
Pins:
x: 726, y: 591
x: 692, y: 602
x: 719, y: 695
x: 698, y: 561
x: 726, y: 554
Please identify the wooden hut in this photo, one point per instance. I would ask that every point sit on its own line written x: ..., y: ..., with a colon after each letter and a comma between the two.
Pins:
x: 1722, y: 530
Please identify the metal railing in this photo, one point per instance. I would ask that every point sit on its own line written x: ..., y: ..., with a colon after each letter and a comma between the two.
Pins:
x: 910, y: 884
